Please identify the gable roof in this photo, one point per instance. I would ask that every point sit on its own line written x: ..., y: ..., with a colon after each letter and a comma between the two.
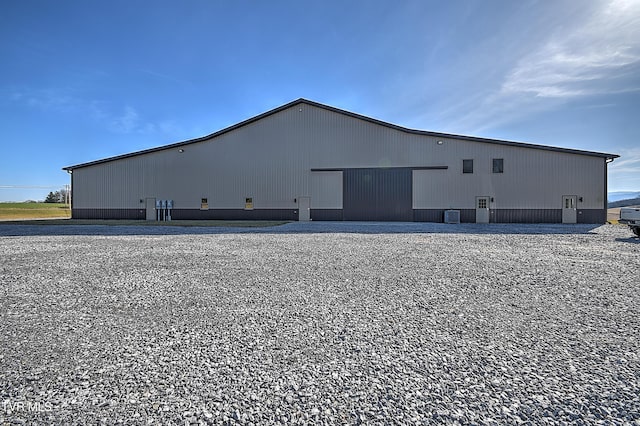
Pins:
x: 349, y: 114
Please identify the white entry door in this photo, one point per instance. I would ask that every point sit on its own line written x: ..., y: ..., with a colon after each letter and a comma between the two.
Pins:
x: 151, y: 208
x: 304, y: 209
x: 482, y: 209
x: 569, y: 209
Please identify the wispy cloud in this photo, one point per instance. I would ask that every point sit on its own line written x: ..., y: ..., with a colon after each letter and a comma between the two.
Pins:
x: 128, y: 121
x: 124, y: 120
x: 596, y: 54
x: 624, y: 172
x: 46, y: 99
x: 629, y: 161
x: 589, y: 59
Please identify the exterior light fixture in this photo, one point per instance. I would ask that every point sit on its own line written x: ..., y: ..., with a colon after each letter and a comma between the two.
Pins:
x: 181, y: 150
x: 439, y: 142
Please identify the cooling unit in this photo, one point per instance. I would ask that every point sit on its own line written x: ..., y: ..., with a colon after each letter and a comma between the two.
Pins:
x: 452, y: 216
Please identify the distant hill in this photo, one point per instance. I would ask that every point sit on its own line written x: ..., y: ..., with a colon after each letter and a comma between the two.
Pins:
x: 622, y: 195
x: 625, y: 203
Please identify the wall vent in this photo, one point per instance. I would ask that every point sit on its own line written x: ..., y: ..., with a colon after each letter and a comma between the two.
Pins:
x: 452, y: 216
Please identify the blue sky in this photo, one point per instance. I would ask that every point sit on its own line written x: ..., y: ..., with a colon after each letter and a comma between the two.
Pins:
x: 84, y: 80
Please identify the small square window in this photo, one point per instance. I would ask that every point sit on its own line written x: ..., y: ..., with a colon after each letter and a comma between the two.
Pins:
x: 467, y: 166
x: 498, y: 165
x: 204, y: 204
x: 248, y: 203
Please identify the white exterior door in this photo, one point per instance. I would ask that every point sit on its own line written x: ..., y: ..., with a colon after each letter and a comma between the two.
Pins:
x: 151, y: 208
x: 569, y: 209
x: 304, y: 209
x: 482, y: 209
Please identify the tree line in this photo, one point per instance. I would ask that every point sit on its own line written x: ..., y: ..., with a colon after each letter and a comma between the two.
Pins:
x: 60, y: 196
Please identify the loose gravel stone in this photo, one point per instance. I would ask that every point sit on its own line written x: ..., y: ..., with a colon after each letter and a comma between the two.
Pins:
x: 326, y: 323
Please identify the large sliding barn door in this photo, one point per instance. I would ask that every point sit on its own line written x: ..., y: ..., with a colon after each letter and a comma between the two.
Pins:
x: 377, y: 194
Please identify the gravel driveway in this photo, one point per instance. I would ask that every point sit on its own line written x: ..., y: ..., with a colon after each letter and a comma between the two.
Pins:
x: 342, y: 323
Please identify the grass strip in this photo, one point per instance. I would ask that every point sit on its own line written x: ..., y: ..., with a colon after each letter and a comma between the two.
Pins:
x: 187, y: 223
x: 33, y: 210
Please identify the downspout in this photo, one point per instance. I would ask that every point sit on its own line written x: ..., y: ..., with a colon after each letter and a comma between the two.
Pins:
x: 70, y: 193
x: 606, y: 186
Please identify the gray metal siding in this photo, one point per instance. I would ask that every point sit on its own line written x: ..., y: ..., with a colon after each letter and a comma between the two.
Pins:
x: 327, y: 214
x: 437, y: 215
x: 592, y: 215
x: 234, y: 214
x: 428, y: 215
x: 132, y: 214
x: 301, y: 103
x: 531, y: 179
x: 526, y: 215
x: 326, y: 189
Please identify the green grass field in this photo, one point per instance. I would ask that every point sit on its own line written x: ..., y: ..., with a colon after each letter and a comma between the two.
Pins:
x: 16, y: 211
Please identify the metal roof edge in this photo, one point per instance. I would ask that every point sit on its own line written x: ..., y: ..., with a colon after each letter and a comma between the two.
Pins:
x: 343, y: 112
x: 189, y: 141
x: 461, y: 137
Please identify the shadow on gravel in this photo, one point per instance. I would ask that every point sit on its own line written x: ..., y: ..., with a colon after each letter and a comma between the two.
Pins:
x: 9, y: 230
x: 632, y: 240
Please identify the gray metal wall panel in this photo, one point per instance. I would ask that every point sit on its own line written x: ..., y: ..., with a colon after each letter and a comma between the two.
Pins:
x: 133, y: 214
x: 234, y: 214
x: 497, y: 216
x: 377, y: 194
x: 526, y: 216
x: 467, y: 215
x: 326, y: 214
x: 532, y: 179
x: 394, y: 194
x: 437, y: 215
x: 359, y: 195
x: 592, y: 215
x: 428, y: 215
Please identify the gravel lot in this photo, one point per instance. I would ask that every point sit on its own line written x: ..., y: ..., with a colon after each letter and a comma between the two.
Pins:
x: 320, y: 323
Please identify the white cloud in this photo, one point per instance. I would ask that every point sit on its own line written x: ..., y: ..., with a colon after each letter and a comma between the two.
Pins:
x: 47, y: 99
x: 629, y: 161
x: 624, y: 172
x: 65, y: 101
x: 594, y: 53
x: 127, y: 122
x: 587, y: 59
